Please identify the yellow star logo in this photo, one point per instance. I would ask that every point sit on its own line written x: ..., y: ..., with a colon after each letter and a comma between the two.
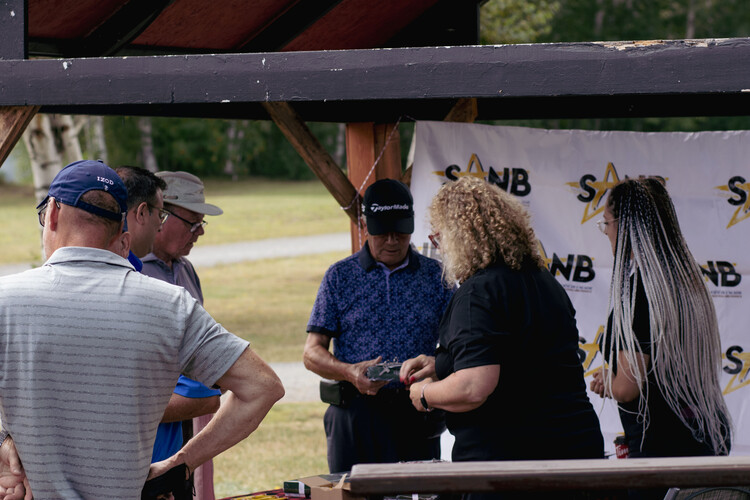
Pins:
x: 591, y: 349
x: 742, y: 212
x: 610, y: 179
x: 543, y: 255
x: 739, y: 380
x: 474, y: 163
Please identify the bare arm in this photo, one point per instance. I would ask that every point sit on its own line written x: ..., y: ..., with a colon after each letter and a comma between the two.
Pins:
x: 182, y: 408
x: 461, y: 391
x: 253, y: 388
x: 318, y: 359
x: 625, y: 386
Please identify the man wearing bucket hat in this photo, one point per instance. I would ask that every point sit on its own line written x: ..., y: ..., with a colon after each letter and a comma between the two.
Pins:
x: 381, y: 304
x: 91, y: 350
x: 185, y: 206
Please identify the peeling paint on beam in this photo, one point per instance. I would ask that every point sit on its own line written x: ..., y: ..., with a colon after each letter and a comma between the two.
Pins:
x: 596, y: 69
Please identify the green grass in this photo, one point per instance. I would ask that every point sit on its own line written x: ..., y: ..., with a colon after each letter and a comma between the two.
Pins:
x: 20, y: 239
x: 259, y: 209
x: 289, y: 444
x: 267, y: 302
x: 253, y: 209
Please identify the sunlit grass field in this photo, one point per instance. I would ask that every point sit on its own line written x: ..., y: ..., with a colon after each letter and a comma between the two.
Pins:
x: 266, y: 302
x: 254, y: 209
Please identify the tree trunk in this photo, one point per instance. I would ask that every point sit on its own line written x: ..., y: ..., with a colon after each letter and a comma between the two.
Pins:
x: 339, y: 150
x: 66, y: 130
x: 46, y: 158
x: 97, y: 142
x: 599, y: 19
x: 147, y: 144
x: 52, y: 142
x: 234, y: 135
x: 690, y: 24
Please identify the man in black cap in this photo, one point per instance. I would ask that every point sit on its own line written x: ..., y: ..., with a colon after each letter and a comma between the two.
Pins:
x: 382, y: 304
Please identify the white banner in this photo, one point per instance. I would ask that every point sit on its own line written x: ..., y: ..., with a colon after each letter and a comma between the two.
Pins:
x: 563, y: 177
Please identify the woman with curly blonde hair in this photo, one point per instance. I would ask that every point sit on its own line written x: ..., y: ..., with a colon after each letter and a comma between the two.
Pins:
x: 506, y: 370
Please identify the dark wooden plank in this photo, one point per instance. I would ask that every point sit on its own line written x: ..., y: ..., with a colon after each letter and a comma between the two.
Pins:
x: 13, y: 33
x: 517, y: 71
x: 674, y: 78
x: 288, y: 25
x: 122, y: 27
x: 451, y: 477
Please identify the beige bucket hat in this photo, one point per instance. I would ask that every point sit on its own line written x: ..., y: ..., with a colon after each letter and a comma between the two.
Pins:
x: 186, y: 190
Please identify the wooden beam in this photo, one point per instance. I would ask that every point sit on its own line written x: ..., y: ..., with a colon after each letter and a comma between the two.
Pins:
x: 288, y: 26
x: 13, y: 121
x: 124, y: 26
x: 316, y: 157
x: 13, y: 29
x: 465, y: 111
x: 499, y: 72
x: 373, y: 152
x: 541, y: 475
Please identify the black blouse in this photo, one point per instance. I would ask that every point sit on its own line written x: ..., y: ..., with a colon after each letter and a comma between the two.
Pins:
x: 524, y: 322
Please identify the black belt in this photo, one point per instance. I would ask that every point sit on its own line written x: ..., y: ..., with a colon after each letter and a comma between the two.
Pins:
x: 384, y: 395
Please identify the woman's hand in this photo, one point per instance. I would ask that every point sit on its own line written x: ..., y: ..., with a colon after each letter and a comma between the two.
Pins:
x: 415, y: 394
x: 417, y: 368
x: 597, y: 383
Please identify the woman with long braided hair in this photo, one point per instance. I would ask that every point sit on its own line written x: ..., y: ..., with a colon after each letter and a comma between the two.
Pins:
x: 662, y: 343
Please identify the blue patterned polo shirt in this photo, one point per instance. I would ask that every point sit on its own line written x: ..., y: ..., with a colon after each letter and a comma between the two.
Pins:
x: 371, y: 311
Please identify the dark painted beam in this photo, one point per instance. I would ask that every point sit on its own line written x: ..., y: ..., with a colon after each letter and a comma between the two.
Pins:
x: 13, y: 29
x: 288, y: 25
x: 118, y: 30
x: 673, y: 78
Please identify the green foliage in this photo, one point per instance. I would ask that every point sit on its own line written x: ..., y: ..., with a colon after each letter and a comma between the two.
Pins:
x: 581, y: 20
x: 201, y: 146
x: 516, y: 21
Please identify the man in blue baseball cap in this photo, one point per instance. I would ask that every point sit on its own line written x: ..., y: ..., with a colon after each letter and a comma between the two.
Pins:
x: 91, y: 350
x: 98, y: 196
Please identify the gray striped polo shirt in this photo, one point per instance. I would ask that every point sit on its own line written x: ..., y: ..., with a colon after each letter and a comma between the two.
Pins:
x: 90, y: 352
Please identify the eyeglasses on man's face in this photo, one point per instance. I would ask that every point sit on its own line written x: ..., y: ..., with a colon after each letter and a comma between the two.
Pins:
x: 602, y: 224
x: 42, y: 211
x: 193, y: 225
x: 163, y: 214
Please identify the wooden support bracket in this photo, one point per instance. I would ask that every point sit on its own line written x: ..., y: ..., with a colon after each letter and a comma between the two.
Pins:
x: 316, y: 157
x: 13, y: 121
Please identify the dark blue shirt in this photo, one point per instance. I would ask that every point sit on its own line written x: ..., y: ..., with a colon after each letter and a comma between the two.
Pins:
x: 372, y: 311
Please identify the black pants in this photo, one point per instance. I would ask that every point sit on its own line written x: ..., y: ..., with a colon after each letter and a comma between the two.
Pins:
x: 381, y: 429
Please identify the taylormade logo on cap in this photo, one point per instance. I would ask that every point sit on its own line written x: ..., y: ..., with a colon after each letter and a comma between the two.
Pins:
x: 378, y: 208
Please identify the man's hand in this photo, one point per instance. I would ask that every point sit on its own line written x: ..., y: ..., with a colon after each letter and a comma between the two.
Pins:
x: 358, y: 377
x: 13, y: 482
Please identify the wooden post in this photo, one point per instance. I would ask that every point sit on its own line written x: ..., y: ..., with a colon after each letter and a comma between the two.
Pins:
x: 13, y: 121
x: 373, y: 152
